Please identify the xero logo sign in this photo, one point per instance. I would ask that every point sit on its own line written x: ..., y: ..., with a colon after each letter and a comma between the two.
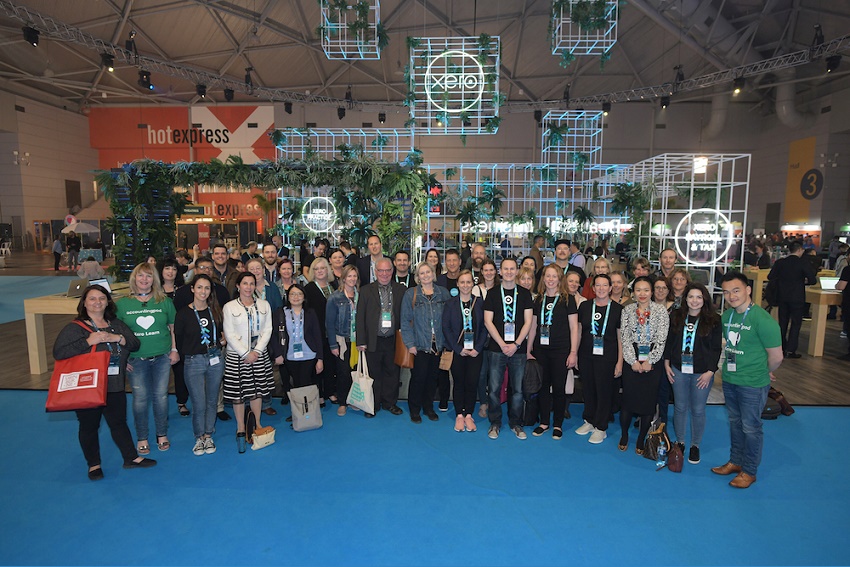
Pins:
x: 454, y: 81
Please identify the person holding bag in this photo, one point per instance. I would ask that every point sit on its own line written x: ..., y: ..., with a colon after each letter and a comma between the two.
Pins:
x: 466, y: 336
x: 421, y: 319
x: 553, y: 343
x: 690, y: 360
x: 340, y: 319
x: 96, y: 325
x: 297, y: 340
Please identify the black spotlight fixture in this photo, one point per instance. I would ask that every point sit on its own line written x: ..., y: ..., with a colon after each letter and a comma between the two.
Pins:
x: 248, y: 81
x: 201, y: 90
x: 567, y: 94
x: 107, y: 62
x: 130, y: 43
x: 738, y: 85
x: 228, y: 95
x: 340, y: 112
x: 349, y: 99
x: 832, y: 63
x: 382, y: 117
x: 665, y: 101
x: 145, y: 80
x: 287, y: 107
x: 31, y: 35
x: 606, y: 108
x: 538, y: 116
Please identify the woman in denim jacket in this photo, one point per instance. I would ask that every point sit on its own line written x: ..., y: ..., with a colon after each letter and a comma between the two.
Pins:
x: 340, y: 315
x: 421, y: 331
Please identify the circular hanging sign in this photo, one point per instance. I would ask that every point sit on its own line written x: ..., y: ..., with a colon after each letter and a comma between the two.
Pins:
x: 704, y: 237
x: 811, y: 184
x: 454, y: 85
x: 318, y: 214
x: 70, y: 219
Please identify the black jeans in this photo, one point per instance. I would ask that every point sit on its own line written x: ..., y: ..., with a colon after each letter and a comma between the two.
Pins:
x: 423, y: 383
x: 597, y: 380
x: 790, y: 321
x: 302, y: 372
x: 57, y: 257
x: 384, y: 372
x: 553, y: 364
x: 343, y: 375
x: 115, y: 412
x: 465, y: 372
x: 180, y: 389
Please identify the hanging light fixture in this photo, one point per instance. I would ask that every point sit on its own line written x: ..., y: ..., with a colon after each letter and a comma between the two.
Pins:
x: 382, y: 117
x: 340, y: 112
x: 287, y: 107
x: 201, y: 90
x: 107, y: 61
x: 606, y: 108
x: 665, y: 101
x: 31, y: 35
x: 738, y: 85
x: 228, y: 95
x: 832, y: 63
x: 145, y: 79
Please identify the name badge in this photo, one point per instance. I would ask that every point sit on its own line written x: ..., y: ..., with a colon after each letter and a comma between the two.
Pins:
x: 386, y: 320
x: 643, y: 353
x: 468, y: 340
x: 298, y: 350
x: 687, y: 363
x: 731, y: 366
x: 114, y: 365
x: 510, y: 332
x: 598, y: 346
x: 544, y: 335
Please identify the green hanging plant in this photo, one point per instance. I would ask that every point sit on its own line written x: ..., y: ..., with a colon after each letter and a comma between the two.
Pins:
x: 380, y: 142
x: 492, y: 125
x: 579, y: 159
x: 603, y: 59
x: 383, y: 37
x: 590, y: 15
x: 556, y: 134
x: 567, y: 58
x: 413, y: 42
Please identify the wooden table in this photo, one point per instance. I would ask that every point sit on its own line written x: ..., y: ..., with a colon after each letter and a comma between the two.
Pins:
x: 759, y: 277
x: 820, y: 300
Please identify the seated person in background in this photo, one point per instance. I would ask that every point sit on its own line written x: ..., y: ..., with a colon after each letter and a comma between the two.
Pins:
x: 90, y: 269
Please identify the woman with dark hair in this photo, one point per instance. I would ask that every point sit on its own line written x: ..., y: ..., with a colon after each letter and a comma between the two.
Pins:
x: 432, y: 256
x: 297, y: 339
x: 97, y: 325
x: 530, y: 263
x: 336, y: 259
x: 247, y: 324
x: 198, y: 329
x: 169, y: 274
x: 489, y: 280
x: 690, y: 358
x: 679, y: 280
x: 286, y: 270
x: 662, y: 292
x: 317, y: 293
x: 340, y: 316
x: 645, y: 325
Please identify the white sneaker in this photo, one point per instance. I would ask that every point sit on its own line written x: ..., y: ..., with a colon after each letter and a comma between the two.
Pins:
x: 209, y: 446
x: 198, y: 449
x: 494, y: 431
x: 597, y: 437
x: 584, y: 429
x: 518, y: 431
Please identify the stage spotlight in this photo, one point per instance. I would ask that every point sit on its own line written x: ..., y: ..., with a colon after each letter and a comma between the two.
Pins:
x: 248, y: 81
x: 287, y: 107
x: 382, y: 117
x: 567, y: 94
x: 606, y: 108
x: 665, y: 101
x: 439, y: 122
x: 201, y: 90
x: 228, y: 95
x: 832, y: 63
x: 145, y: 80
x: 738, y: 85
x: 107, y: 61
x: 340, y: 112
x: 31, y: 35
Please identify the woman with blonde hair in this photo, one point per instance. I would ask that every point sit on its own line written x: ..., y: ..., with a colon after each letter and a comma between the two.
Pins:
x: 525, y: 278
x: 600, y: 266
x: 316, y: 294
x: 620, y: 288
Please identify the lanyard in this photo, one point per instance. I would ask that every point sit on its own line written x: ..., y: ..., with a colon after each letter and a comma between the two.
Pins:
x: 297, y: 326
x: 466, y: 313
x: 643, y: 326
x: 729, y: 322
x: 595, y: 330
x: 325, y: 291
x: 205, y: 334
x: 108, y: 345
x: 353, y: 314
x: 385, y: 295
x: 551, y: 309
x: 249, y: 311
x: 688, y: 334
x: 509, y: 306
x: 430, y: 300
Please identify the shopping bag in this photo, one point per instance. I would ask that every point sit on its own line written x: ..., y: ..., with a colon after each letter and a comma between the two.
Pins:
x: 306, y: 412
x: 361, y: 396
x: 79, y: 382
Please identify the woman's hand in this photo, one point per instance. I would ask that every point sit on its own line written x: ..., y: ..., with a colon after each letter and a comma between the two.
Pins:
x: 472, y: 352
x: 572, y: 360
x: 319, y: 366
x: 618, y: 369
x: 173, y: 357
x: 669, y: 371
x: 279, y: 360
x: 704, y: 380
x: 412, y: 350
x: 252, y: 357
x: 636, y: 367
x: 646, y: 366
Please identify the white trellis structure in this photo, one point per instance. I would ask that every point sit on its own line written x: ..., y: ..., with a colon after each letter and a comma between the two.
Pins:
x: 385, y: 144
x: 569, y: 37
x: 348, y: 34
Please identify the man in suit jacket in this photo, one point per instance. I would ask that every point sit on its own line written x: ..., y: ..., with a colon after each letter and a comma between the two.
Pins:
x: 792, y: 274
x: 366, y: 265
x: 378, y: 319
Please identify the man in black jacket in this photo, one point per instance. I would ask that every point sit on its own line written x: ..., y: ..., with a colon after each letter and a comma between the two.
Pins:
x: 792, y: 274
x: 367, y: 264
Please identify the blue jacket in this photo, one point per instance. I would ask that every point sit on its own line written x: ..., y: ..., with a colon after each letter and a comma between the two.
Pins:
x: 453, y: 323
x: 338, y: 317
x: 416, y: 318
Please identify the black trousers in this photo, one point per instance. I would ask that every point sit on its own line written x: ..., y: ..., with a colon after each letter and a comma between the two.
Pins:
x: 597, y: 380
x: 552, y: 398
x: 384, y: 372
x: 343, y: 375
x: 57, y: 257
x: 326, y: 379
x: 115, y: 412
x: 180, y: 389
x: 465, y: 372
x: 790, y: 321
x: 423, y: 383
x: 302, y: 372
x: 443, y: 387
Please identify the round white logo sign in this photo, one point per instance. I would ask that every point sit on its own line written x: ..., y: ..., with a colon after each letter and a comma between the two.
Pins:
x: 318, y: 214
x: 704, y: 236
x: 454, y: 81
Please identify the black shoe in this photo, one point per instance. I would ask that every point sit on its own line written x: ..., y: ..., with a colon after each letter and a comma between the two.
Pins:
x: 693, y: 456
x: 96, y: 474
x: 415, y: 418
x: 369, y: 415
x: 143, y: 464
x: 284, y: 401
x: 539, y: 430
x: 222, y: 416
x: 183, y: 410
x: 793, y: 355
x: 432, y: 415
x: 444, y: 406
x: 395, y: 410
x: 289, y: 419
x: 567, y: 414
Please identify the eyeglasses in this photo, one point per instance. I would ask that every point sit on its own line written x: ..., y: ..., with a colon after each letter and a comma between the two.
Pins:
x: 661, y: 288
x: 204, y: 268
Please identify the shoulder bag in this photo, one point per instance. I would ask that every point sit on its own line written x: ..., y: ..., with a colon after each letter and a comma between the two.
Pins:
x: 403, y: 357
x: 79, y: 382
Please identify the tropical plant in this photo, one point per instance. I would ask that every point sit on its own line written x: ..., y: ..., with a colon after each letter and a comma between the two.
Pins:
x: 491, y: 195
x: 556, y: 134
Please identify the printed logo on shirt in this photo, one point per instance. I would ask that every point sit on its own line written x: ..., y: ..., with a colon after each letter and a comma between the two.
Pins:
x: 145, y: 322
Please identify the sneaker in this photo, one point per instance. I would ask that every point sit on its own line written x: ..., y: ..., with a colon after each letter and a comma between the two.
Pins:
x: 443, y: 407
x: 482, y: 410
x: 520, y: 434
x: 584, y: 429
x: 494, y: 431
x: 557, y: 433
x: 460, y: 423
x: 198, y: 449
x: 842, y: 335
x: 209, y: 446
x: 538, y: 431
x: 693, y: 456
x: 598, y: 436
x: 469, y: 423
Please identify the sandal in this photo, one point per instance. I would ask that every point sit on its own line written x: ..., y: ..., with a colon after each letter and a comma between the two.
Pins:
x: 624, y: 444
x: 163, y: 445
x: 143, y: 448
x: 638, y: 450
x: 184, y: 411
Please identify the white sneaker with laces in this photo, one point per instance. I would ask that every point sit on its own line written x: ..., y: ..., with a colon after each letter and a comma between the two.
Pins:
x: 198, y: 449
x: 518, y: 431
x: 209, y: 446
x: 494, y: 431
x: 584, y: 429
x: 598, y: 436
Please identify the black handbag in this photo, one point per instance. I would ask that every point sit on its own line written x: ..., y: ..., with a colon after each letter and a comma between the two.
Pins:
x: 653, y: 441
x: 532, y: 380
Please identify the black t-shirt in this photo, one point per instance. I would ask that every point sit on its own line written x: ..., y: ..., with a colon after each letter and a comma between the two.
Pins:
x: 187, y: 332
x: 845, y: 293
x: 494, y: 303
x: 559, y: 331
x: 585, y: 314
x: 448, y: 283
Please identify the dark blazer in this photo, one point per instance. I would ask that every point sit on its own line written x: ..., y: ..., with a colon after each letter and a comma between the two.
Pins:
x: 369, y: 312
x: 364, y: 267
x: 792, y: 275
x: 707, y: 349
x: 312, y: 334
x: 453, y: 323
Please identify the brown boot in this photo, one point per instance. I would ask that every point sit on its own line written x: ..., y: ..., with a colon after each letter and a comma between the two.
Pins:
x: 728, y: 468
x: 743, y: 480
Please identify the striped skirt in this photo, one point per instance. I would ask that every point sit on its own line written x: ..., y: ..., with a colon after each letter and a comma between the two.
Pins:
x: 244, y: 382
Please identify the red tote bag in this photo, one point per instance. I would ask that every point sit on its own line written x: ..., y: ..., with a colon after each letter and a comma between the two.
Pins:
x: 79, y: 382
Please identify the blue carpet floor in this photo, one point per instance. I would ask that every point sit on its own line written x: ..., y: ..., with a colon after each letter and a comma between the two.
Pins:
x: 14, y: 289
x: 389, y: 492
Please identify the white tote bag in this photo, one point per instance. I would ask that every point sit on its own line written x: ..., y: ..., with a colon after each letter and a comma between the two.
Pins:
x: 361, y: 396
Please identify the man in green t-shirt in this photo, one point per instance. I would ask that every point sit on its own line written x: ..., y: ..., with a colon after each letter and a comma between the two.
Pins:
x: 753, y: 350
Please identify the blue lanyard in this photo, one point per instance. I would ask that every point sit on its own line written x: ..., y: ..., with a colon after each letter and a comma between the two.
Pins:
x: 108, y: 345
x: 509, y: 307
x: 595, y: 331
x: 548, y: 315
x: 688, y: 334
x: 297, y: 326
x: 249, y: 312
x: 466, y: 313
x: 729, y: 322
x: 205, y: 334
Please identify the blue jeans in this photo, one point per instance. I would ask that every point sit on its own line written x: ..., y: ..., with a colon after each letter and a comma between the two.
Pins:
x: 744, y: 406
x: 149, y: 379
x: 516, y: 370
x: 203, y: 381
x: 688, y: 396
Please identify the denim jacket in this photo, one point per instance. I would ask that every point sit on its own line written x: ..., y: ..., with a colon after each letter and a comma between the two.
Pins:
x: 417, y: 318
x: 337, y: 317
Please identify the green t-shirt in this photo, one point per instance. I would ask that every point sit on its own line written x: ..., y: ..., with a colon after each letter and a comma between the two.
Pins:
x: 759, y: 332
x: 149, y: 322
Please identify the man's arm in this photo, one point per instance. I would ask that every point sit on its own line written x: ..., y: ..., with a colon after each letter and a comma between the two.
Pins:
x: 774, y: 358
